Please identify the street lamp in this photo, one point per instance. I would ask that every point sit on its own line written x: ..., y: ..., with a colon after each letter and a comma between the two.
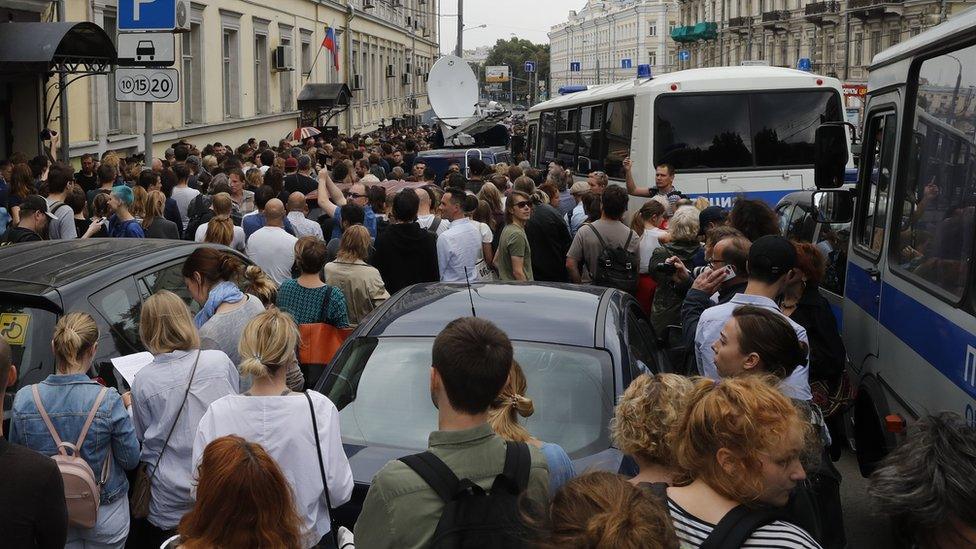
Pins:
x: 458, y: 50
x: 955, y: 93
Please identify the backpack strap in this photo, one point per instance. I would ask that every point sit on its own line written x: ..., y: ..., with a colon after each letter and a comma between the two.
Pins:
x: 76, y: 448
x: 56, y: 206
x: 736, y: 527
x: 434, y: 224
x: 518, y: 464
x: 599, y: 237
x: 435, y: 473
x: 47, y: 420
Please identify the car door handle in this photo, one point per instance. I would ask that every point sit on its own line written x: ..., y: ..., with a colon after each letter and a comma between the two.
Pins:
x: 875, y: 274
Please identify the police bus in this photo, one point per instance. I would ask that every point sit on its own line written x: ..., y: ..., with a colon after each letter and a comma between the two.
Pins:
x: 728, y: 131
x: 910, y: 307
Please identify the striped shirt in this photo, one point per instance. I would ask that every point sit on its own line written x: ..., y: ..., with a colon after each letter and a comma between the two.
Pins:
x: 693, y: 531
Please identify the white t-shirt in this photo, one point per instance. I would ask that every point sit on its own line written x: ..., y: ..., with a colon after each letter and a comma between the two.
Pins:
x: 649, y: 242
x: 238, y: 243
x: 486, y: 238
x: 273, y: 249
x: 183, y: 196
x: 283, y: 426
x: 425, y: 221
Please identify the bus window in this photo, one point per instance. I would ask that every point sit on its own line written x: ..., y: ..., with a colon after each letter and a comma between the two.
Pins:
x: 702, y: 131
x: 591, y: 137
x: 876, y: 161
x: 567, y: 124
x: 938, y: 196
x: 784, y: 124
x: 530, y: 145
x: 619, y: 126
x: 547, y: 151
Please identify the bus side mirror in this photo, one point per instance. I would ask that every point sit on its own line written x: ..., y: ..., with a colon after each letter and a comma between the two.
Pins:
x: 833, y: 206
x: 830, y: 156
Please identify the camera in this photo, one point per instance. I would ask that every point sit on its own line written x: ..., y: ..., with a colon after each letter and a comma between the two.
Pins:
x: 664, y: 269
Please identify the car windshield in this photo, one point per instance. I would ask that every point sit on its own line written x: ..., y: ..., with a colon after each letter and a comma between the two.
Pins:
x: 382, y: 389
x: 28, y: 331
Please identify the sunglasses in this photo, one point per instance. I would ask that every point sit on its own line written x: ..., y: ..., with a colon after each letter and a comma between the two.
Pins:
x: 523, y: 204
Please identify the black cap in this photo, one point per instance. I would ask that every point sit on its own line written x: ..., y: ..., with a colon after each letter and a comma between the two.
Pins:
x: 711, y: 214
x: 36, y: 203
x: 771, y: 255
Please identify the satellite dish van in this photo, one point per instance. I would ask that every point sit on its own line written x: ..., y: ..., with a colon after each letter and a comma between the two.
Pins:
x: 452, y: 88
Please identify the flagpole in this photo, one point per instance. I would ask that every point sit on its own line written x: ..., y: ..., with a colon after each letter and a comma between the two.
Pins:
x: 312, y: 68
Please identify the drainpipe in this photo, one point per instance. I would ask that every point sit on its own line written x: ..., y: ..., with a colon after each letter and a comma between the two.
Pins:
x: 350, y: 15
x: 63, y: 98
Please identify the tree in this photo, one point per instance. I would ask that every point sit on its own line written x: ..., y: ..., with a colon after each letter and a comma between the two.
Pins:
x: 514, y: 53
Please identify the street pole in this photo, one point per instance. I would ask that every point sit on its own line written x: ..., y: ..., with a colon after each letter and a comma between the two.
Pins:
x: 598, y: 67
x: 459, y: 51
x: 63, y: 97
x: 511, y: 91
x: 149, y: 134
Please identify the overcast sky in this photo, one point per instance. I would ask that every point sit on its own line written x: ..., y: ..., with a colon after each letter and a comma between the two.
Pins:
x: 528, y: 19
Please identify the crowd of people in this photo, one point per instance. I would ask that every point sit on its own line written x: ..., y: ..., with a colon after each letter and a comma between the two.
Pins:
x: 735, y: 448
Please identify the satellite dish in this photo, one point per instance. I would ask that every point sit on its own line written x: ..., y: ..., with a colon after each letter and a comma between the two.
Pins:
x: 452, y: 89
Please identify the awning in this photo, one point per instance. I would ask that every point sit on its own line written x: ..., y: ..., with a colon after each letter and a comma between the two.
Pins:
x: 324, y: 96
x: 71, y: 47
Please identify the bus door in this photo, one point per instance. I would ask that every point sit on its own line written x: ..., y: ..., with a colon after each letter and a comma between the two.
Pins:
x: 862, y: 308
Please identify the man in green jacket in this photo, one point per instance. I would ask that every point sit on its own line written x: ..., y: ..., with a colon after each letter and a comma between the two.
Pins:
x: 471, y: 361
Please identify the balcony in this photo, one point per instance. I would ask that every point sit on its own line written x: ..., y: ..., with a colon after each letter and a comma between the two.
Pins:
x: 777, y: 19
x: 820, y: 13
x: 870, y: 9
x: 740, y: 24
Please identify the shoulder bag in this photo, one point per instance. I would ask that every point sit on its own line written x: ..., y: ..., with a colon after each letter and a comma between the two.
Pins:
x: 333, y: 527
x: 142, y: 487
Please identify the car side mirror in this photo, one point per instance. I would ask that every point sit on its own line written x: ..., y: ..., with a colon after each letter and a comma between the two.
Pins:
x: 830, y: 155
x: 833, y: 206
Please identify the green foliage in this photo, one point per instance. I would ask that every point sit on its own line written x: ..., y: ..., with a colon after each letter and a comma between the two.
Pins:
x: 514, y: 52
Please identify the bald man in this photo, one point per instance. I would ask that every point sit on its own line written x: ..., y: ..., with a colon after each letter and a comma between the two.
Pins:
x: 425, y: 218
x: 297, y: 212
x: 271, y: 247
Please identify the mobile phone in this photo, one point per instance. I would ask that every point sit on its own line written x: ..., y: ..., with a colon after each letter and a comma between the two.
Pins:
x: 729, y: 273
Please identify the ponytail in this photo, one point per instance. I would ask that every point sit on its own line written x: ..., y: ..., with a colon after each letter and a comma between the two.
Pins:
x: 74, y: 335
x: 511, y: 403
x: 220, y: 229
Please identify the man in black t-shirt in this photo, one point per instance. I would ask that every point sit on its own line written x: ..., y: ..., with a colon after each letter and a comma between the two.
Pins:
x: 32, y: 507
x: 34, y: 218
x: 300, y: 180
x: 87, y: 177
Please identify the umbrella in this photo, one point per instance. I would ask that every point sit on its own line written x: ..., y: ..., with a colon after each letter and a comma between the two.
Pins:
x: 302, y: 134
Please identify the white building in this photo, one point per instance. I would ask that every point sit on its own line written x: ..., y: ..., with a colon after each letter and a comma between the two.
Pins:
x: 608, y: 35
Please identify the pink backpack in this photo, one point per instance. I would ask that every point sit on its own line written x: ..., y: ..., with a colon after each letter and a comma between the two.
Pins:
x: 81, y: 491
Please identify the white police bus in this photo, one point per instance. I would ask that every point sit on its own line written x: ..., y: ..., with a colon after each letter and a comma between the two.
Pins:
x: 910, y: 307
x: 728, y: 131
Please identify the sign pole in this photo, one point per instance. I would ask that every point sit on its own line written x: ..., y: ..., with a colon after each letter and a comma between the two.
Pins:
x: 149, y: 133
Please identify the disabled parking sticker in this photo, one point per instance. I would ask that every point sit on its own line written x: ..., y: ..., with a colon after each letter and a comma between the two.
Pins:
x: 13, y: 327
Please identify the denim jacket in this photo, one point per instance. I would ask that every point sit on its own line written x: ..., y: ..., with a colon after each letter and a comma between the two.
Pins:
x: 68, y: 399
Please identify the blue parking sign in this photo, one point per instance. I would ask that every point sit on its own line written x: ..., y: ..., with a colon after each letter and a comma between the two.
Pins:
x: 626, y: 64
x: 147, y: 15
x: 684, y: 55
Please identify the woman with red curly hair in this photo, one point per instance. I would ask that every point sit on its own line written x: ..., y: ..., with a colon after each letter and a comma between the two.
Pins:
x: 243, y: 500
x: 738, y: 447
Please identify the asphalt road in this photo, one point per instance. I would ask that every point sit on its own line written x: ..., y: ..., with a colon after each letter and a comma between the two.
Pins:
x: 865, y: 528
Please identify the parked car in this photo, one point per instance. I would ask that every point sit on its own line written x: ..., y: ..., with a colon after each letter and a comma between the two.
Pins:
x: 108, y: 278
x: 579, y: 346
x: 441, y: 159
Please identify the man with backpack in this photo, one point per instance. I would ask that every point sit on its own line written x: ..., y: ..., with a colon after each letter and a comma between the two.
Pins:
x: 466, y: 487
x: 59, y: 178
x: 607, y: 247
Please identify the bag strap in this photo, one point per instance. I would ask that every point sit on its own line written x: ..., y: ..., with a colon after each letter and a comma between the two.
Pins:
x: 518, y: 464
x: 76, y: 448
x: 599, y: 237
x: 736, y: 527
x: 177, y: 418
x: 434, y: 224
x: 47, y: 420
x: 435, y: 473
x: 91, y: 416
x: 325, y: 482
x: 326, y: 301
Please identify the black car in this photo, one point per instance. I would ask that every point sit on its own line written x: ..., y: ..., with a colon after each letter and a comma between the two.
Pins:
x: 580, y: 346
x: 106, y: 277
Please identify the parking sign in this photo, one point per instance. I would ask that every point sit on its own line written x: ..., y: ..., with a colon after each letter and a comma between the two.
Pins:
x: 153, y: 15
x: 147, y: 85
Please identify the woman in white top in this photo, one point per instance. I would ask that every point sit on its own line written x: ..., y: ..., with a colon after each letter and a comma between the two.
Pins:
x: 282, y: 422
x: 221, y: 229
x: 169, y: 396
x: 482, y: 217
x: 647, y: 223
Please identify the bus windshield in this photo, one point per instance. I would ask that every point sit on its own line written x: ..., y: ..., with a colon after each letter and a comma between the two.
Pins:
x: 740, y: 130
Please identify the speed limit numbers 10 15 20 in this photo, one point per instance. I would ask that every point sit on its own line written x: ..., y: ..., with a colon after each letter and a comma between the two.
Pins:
x: 147, y: 85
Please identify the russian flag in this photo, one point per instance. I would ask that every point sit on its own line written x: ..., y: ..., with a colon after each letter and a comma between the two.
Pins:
x: 332, y: 45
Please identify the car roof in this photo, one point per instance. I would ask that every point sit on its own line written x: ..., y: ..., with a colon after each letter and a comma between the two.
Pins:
x: 562, y: 314
x: 56, y: 263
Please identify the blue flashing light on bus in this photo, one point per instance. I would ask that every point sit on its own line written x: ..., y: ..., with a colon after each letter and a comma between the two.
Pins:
x: 563, y: 90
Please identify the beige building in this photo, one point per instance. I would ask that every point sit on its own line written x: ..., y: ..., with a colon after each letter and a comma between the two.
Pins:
x: 231, y: 86
x: 606, y: 34
x: 840, y: 37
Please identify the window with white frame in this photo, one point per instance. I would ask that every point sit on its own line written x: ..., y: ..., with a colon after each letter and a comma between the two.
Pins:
x: 231, y: 62
x: 306, y: 52
x: 192, y: 68
x: 652, y: 58
x: 261, y: 74
x: 286, y: 78
x: 652, y: 29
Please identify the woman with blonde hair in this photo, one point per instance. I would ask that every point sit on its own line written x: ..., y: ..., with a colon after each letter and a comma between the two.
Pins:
x: 683, y: 244
x: 221, y: 229
x: 138, y: 206
x: 601, y: 509
x: 169, y: 396
x: 299, y: 430
x: 69, y: 399
x: 153, y: 222
x: 738, y: 447
x: 239, y: 483
x: 503, y: 417
x: 645, y: 414
x: 493, y: 196
x: 359, y: 282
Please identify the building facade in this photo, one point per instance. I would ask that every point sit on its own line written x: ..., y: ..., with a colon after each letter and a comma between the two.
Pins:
x: 232, y: 85
x: 839, y: 37
x: 610, y: 38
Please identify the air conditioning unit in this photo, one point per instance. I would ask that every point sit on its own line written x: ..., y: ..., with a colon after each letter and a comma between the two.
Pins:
x: 284, y: 58
x: 182, y: 16
x: 357, y: 82
x: 368, y: 4
x: 390, y: 73
x: 406, y: 78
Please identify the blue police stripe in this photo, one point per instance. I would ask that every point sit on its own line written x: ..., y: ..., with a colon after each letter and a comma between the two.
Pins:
x: 726, y: 200
x: 860, y: 289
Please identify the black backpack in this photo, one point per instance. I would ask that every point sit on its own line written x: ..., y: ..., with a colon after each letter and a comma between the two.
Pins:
x: 474, y: 518
x: 735, y: 527
x: 617, y: 267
